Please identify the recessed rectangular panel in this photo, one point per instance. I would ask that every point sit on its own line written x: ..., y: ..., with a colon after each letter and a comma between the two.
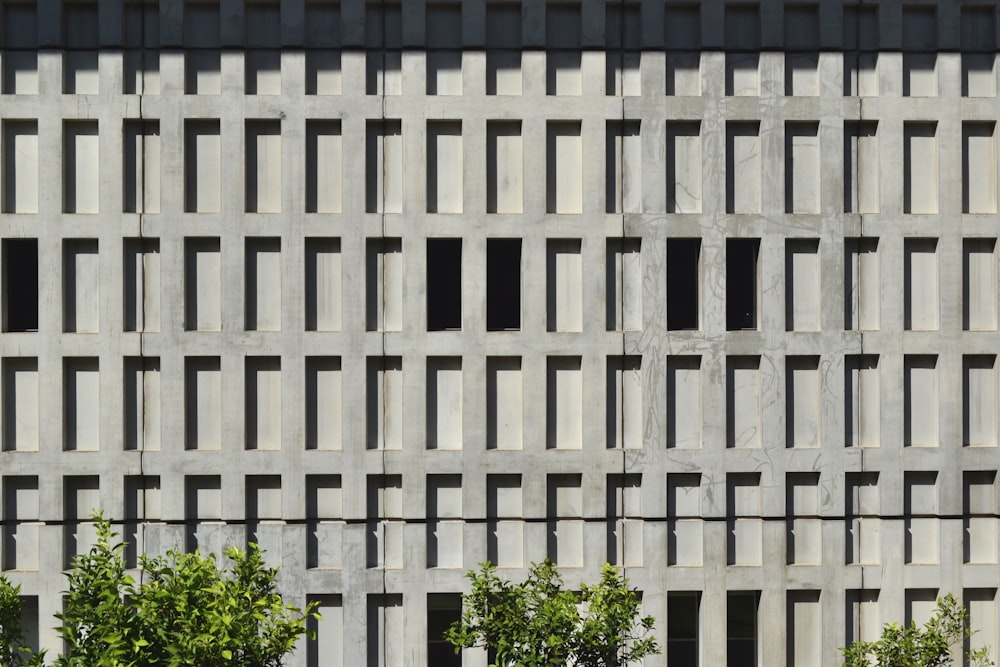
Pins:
x: 263, y: 402
x: 979, y: 284
x: 202, y: 285
x: 743, y: 391
x: 504, y: 167
x: 444, y: 403
x: 624, y: 402
x: 564, y: 167
x: 81, y: 404
x: 202, y: 403
x: 743, y: 168
x: 979, y: 405
x: 384, y: 167
x: 141, y: 166
x: 803, y: 305
x: 324, y: 166
x: 263, y: 284
x: 21, y: 409
x: 861, y: 167
x: 684, y: 412
x: 564, y: 421
x: 324, y: 403
x: 81, y: 167
x: 564, y: 283
x: 921, y: 407
x: 263, y: 166
x: 20, y: 166
x: 684, y: 175
x: 202, y: 166
x: 803, y: 408
x: 623, y: 296
x: 142, y: 403
x: 81, y: 286
x: 802, y: 168
x: 979, y: 167
x: 920, y: 168
x: 623, y: 167
x: 921, y: 305
x: 504, y: 403
x: 384, y: 390
x: 444, y: 167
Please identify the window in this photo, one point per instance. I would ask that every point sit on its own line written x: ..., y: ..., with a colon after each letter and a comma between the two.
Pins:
x: 682, y: 627
x: 683, y: 282
x: 443, y: 609
x: 444, y: 284
x: 741, y: 283
x: 741, y: 628
x: 503, y: 284
x: 20, y: 284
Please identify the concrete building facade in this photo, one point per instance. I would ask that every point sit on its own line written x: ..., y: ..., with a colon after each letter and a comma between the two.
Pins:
x: 707, y: 290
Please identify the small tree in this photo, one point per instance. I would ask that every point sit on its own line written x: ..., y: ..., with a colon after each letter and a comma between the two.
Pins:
x: 539, y: 623
x: 929, y: 646
x: 13, y: 650
x: 187, y: 613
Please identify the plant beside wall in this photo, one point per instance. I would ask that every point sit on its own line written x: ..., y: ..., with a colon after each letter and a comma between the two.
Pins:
x: 913, y: 646
x: 539, y: 622
x: 186, y: 612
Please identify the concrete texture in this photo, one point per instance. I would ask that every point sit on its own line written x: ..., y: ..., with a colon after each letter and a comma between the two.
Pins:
x: 726, y: 307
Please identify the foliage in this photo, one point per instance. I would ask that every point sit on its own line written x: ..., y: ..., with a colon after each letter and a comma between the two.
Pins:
x: 539, y: 623
x: 188, y: 612
x: 13, y: 651
x: 929, y: 646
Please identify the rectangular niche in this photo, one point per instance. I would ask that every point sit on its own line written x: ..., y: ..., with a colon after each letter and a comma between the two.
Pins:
x: 22, y: 526
x: 141, y: 390
x: 982, y: 620
x: 141, y: 285
x: 564, y: 389
x: 743, y: 167
x: 979, y: 167
x: 81, y: 404
x: 564, y: 511
x: 564, y: 167
x: 504, y: 403
x: 921, y: 299
x: 863, y: 511
x: 383, y: 72
x: 262, y: 58
x: 978, y: 48
x: 202, y: 285
x: 683, y: 73
x: 324, y: 284
x: 805, y: 629
x: 263, y: 166
x: 202, y: 166
x: 564, y: 281
x: 861, y: 401
x: 81, y: 286
x: 385, y: 618
x: 141, y: 166
x: 202, y: 511
x: 802, y: 167
x: 805, y: 538
x: 505, y: 525
x: 444, y: 521
x: 263, y: 402
x: 803, y: 308
x: 920, y: 507
x: 624, y: 524
x: 863, y: 621
x: 20, y: 166
x: 384, y: 284
x: 920, y: 168
x: 861, y: 167
x: 324, y: 521
x: 743, y: 402
x: 623, y: 167
x: 81, y: 167
x: 202, y: 403
x: 979, y: 284
x: 563, y: 57
x: 920, y: 401
x: 202, y: 57
x: 328, y: 627
x: 444, y: 166
x: 979, y: 400
x: 444, y: 72
x: 623, y: 297
x: 685, y: 525
x: 20, y: 58
x: 384, y: 403
x: 684, y: 389
x: 81, y: 498
x: 324, y: 403
x: 803, y: 402
x: 979, y: 500
x: 21, y: 409
x: 80, y: 54
x: 263, y: 284
x: 503, y: 48
x: 322, y: 40
x: 504, y: 167
x: 444, y: 403
x: 384, y: 167
x: 384, y: 528
x: 324, y: 166
x: 861, y: 284
x: 624, y: 402
x: 743, y: 509
x: 684, y: 176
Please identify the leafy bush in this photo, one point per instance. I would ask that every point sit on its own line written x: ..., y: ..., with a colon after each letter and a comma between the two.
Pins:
x: 13, y: 651
x: 929, y: 646
x: 188, y: 612
x: 540, y: 623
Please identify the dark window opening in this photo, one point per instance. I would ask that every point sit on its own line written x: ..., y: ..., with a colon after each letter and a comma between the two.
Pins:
x: 444, y: 284
x: 741, y: 283
x: 741, y: 629
x: 682, y: 627
x: 503, y: 284
x: 20, y: 285
x: 443, y: 609
x: 683, y: 283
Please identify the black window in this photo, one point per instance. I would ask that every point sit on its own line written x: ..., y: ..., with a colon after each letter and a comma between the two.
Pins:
x: 443, y: 609
x: 741, y: 283
x: 683, y: 282
x: 741, y: 628
x: 444, y: 284
x: 20, y: 284
x: 503, y: 284
x: 682, y: 627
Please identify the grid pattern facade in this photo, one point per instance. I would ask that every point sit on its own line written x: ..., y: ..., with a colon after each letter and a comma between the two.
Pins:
x: 706, y: 290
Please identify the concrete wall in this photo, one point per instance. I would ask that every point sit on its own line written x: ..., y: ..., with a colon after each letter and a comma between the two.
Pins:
x: 723, y: 311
